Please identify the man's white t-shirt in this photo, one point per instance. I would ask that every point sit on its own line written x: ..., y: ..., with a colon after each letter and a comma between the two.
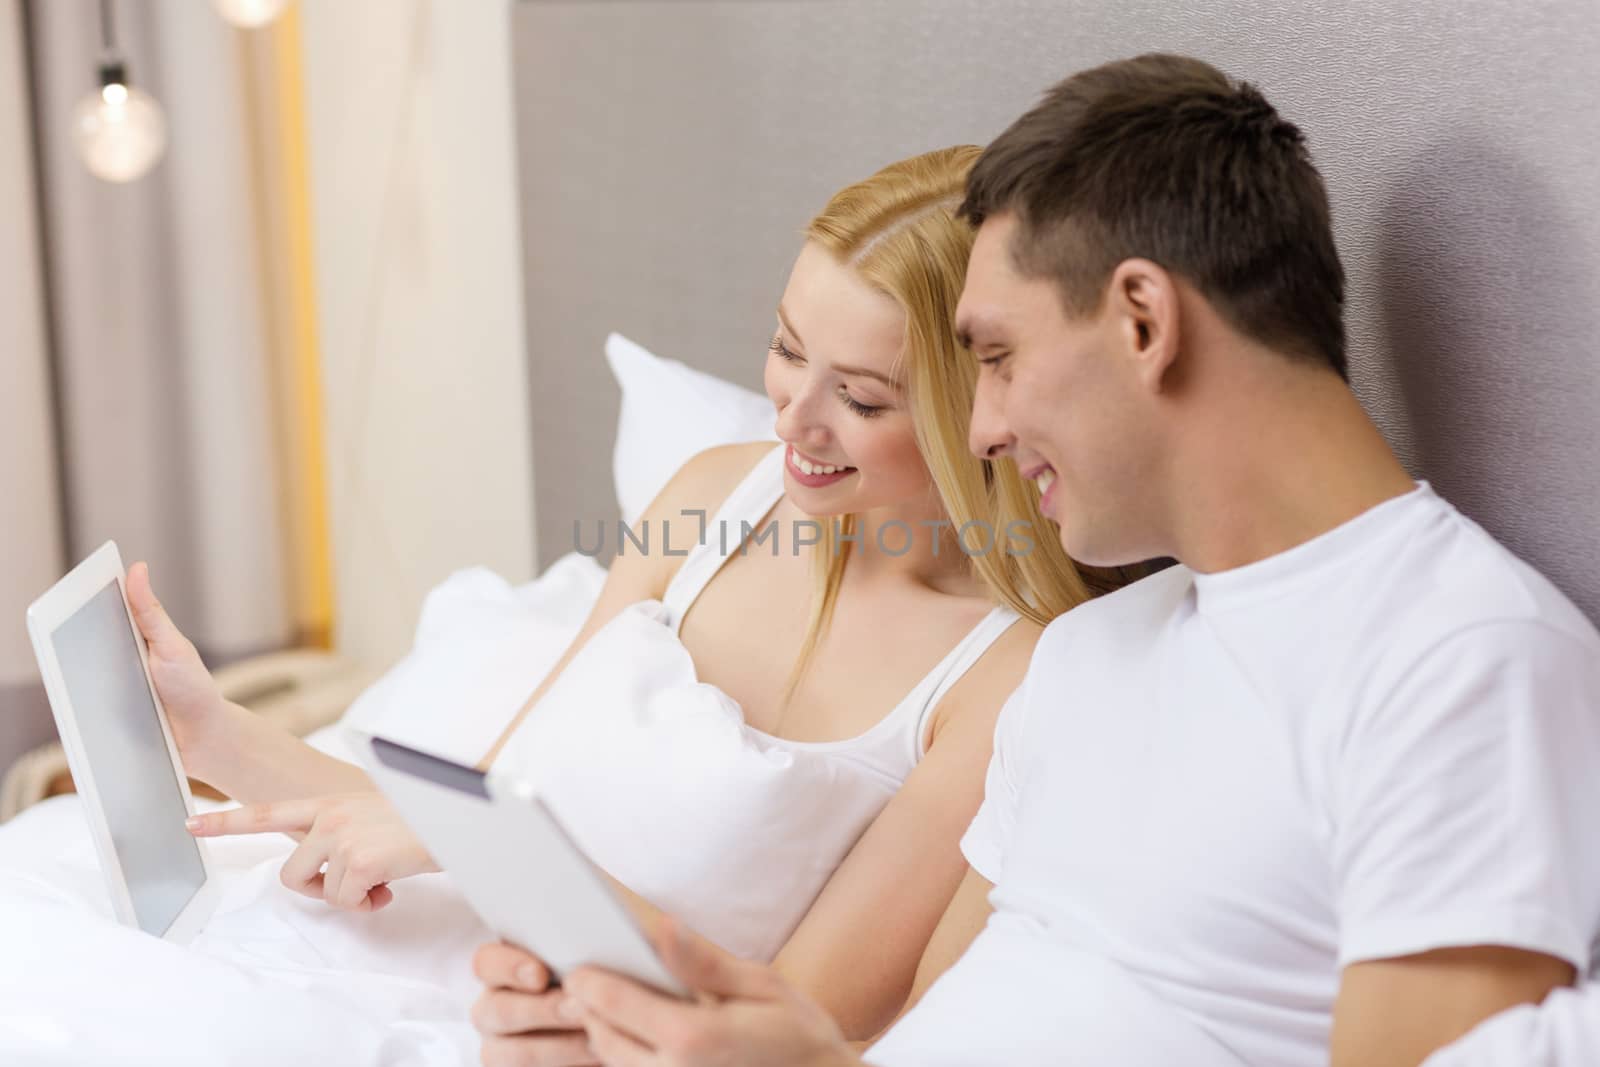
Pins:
x: 1213, y: 792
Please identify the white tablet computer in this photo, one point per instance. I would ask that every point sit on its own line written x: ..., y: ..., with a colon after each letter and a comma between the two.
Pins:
x: 120, y: 750
x: 518, y: 868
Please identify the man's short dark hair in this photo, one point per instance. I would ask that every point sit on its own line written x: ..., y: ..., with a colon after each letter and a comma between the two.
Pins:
x: 1165, y: 158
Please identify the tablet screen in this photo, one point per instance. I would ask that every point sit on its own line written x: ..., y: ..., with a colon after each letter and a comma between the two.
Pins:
x: 128, y: 757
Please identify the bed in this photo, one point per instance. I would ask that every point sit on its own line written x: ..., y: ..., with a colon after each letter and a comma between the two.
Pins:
x: 669, y: 153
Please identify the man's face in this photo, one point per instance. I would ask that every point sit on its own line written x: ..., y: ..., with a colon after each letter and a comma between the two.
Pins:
x: 1056, y: 395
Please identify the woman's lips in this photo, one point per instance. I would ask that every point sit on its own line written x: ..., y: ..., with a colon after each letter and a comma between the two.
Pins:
x: 812, y: 481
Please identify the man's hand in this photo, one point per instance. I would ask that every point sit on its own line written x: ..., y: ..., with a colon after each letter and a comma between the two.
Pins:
x: 746, y: 1014
x: 351, y: 846
x: 523, y: 1021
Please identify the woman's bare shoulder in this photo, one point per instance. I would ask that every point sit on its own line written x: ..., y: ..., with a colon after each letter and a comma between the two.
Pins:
x: 978, y: 697
x: 707, y: 479
x: 1001, y: 668
x: 722, y: 467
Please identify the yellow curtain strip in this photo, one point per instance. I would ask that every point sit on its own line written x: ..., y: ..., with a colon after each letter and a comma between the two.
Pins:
x: 311, y: 510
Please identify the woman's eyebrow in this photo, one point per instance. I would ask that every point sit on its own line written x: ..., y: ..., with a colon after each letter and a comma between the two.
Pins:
x: 867, y: 372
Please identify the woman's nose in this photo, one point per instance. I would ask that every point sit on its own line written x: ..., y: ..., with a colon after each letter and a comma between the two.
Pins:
x: 800, y: 421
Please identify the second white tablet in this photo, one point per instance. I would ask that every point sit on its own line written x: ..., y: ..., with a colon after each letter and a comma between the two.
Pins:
x: 516, y: 865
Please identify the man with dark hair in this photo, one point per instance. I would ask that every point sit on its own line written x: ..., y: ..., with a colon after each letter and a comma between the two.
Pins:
x: 1162, y: 157
x: 1328, y: 788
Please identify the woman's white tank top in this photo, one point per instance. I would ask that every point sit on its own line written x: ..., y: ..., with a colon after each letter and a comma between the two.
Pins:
x: 666, y: 787
x: 895, y: 744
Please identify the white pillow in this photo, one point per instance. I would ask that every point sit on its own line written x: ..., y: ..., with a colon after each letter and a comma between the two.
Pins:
x: 669, y: 412
x: 482, y: 646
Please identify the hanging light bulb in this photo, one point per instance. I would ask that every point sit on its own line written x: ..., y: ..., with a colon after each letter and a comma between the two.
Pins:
x: 250, y: 14
x: 119, y: 130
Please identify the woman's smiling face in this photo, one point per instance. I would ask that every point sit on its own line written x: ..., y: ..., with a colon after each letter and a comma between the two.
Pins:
x: 835, y: 374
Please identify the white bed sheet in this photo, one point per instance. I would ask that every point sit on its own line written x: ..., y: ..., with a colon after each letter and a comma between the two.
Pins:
x: 276, y: 978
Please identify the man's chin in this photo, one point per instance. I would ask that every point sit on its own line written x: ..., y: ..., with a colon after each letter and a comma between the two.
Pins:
x: 1094, y: 549
x: 1080, y: 545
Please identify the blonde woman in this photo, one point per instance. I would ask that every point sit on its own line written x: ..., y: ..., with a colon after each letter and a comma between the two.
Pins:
x: 842, y: 695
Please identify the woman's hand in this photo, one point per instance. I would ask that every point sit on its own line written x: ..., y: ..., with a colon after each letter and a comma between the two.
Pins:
x: 522, y: 1020
x: 351, y: 845
x: 195, y: 708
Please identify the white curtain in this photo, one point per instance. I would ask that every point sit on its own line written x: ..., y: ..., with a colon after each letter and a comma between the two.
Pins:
x: 33, y: 546
x: 136, y: 392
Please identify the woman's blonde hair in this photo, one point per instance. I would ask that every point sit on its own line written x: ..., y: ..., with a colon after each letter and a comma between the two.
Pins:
x: 899, y: 231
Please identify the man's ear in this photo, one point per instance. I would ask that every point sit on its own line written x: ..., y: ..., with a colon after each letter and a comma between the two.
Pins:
x: 1143, y: 300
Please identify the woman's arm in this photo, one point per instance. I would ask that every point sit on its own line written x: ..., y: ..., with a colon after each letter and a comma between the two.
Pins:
x: 857, y: 951
x: 255, y: 761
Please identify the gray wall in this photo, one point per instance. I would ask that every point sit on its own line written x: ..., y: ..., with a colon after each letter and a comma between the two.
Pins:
x: 671, y: 150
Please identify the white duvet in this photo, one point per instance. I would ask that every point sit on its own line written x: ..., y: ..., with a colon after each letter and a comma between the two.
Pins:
x: 276, y: 978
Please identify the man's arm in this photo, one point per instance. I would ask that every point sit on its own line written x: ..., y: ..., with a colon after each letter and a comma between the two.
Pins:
x: 1396, y: 1012
x: 1564, y: 1031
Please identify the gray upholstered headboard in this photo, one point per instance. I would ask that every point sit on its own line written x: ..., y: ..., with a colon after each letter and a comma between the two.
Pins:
x: 670, y: 151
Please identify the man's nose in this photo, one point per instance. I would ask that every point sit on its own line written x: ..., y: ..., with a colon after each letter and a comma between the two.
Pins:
x: 988, y: 436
